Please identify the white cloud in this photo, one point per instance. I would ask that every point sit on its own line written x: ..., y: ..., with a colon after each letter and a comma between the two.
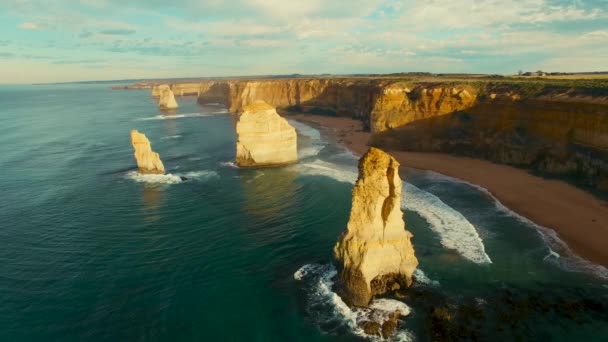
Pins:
x: 28, y: 26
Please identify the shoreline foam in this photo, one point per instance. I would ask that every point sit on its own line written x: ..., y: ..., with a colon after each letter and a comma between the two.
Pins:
x: 580, y: 219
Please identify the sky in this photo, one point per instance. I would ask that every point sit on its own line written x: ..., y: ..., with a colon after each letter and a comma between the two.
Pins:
x: 70, y: 40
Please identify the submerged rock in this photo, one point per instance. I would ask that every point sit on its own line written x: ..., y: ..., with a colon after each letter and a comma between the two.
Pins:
x: 264, y: 138
x: 166, y: 99
x: 147, y: 160
x: 375, y: 253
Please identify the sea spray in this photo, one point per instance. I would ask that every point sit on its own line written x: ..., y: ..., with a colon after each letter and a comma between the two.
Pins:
x: 331, y: 313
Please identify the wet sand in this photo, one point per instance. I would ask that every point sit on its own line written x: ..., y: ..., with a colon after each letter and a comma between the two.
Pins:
x: 579, y: 218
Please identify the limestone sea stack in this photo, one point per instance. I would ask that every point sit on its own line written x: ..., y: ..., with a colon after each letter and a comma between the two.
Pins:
x: 375, y: 254
x: 166, y: 98
x: 264, y: 138
x: 147, y: 160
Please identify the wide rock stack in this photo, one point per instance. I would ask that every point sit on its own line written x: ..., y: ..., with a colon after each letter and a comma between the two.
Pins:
x: 264, y: 138
x: 375, y: 254
x: 166, y: 98
x: 147, y: 160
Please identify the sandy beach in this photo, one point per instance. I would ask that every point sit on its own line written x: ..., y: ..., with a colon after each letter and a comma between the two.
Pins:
x: 579, y: 218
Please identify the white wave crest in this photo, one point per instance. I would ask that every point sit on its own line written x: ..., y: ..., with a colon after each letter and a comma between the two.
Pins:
x: 200, y: 175
x: 323, y: 168
x: 230, y: 164
x: 422, y: 278
x: 153, y: 179
x: 177, y: 136
x: 314, y: 143
x: 177, y: 116
x: 565, y: 258
x: 454, y: 230
x: 327, y: 307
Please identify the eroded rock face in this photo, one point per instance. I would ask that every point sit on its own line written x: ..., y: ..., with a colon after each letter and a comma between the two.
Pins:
x: 166, y: 99
x: 147, y: 160
x: 399, y: 104
x: 375, y: 253
x: 264, y: 138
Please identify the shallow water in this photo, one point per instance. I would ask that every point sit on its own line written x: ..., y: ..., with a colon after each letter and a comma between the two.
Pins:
x: 91, y: 250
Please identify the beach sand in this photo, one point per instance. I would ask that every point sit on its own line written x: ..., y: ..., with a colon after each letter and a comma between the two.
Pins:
x: 579, y: 218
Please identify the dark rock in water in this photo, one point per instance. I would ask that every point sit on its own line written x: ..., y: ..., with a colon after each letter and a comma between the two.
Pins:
x: 389, y: 327
x: 183, y: 178
x: 370, y: 328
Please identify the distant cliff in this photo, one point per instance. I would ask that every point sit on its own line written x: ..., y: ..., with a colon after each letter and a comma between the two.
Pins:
x: 557, y: 127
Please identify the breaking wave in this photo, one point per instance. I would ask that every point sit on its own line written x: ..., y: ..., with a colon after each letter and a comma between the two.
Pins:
x: 421, y: 278
x: 179, y: 116
x: 169, y: 178
x: 200, y: 175
x: 454, y: 230
x: 558, y: 251
x: 330, y: 312
x: 153, y: 179
x: 171, y: 137
x: 312, y: 144
x: 230, y: 164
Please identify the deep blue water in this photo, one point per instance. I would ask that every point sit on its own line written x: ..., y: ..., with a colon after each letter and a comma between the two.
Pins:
x: 90, y: 250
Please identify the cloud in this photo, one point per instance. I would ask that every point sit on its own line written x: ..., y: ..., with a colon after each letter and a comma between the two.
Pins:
x: 28, y: 26
x: 117, y: 32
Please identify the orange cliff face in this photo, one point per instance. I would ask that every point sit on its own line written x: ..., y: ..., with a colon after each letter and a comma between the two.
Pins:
x: 484, y: 120
x: 381, y: 105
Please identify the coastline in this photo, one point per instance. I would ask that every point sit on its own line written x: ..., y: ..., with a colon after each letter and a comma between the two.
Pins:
x: 578, y: 218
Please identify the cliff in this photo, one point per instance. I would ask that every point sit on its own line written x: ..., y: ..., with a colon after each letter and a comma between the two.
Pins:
x: 557, y: 127
x: 147, y: 160
x: 264, y: 138
x: 375, y: 253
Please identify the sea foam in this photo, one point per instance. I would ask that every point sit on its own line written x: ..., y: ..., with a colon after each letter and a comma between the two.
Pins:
x: 330, y: 311
x: 179, y: 116
x: 315, y: 144
x: 153, y: 178
x: 454, y: 230
x: 169, y: 178
x: 565, y: 258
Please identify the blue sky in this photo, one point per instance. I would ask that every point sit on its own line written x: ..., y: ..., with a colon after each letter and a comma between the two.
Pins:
x: 74, y: 40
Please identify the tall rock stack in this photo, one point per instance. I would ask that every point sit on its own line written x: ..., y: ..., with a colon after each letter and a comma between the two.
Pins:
x: 166, y: 98
x: 147, y: 160
x: 375, y: 254
x: 264, y: 138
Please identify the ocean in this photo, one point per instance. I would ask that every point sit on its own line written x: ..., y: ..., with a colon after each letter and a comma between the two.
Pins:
x: 91, y: 250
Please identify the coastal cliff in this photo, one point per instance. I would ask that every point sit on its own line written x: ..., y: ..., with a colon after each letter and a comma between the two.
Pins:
x: 557, y: 128
x: 375, y: 253
x: 148, y: 161
x: 264, y: 138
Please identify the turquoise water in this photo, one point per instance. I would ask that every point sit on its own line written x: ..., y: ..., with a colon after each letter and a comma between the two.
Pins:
x: 89, y: 250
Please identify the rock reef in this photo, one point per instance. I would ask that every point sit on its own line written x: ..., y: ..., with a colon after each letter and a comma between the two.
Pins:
x: 147, y: 160
x: 264, y: 138
x: 375, y: 253
x: 166, y: 98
